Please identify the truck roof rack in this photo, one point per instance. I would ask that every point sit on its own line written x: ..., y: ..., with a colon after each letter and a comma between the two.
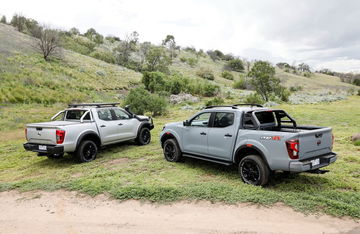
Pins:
x: 94, y: 104
x: 251, y: 104
x: 209, y: 107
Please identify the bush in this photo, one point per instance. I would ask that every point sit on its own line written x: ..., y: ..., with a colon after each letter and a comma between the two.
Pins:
x: 103, y: 55
x: 356, y: 82
x: 254, y: 99
x: 283, y: 93
x: 358, y: 93
x: 142, y: 101
x: 190, y: 61
x: 296, y: 88
x: 240, y: 84
x: 235, y: 65
x: 307, y: 74
x: 157, y: 104
x: 154, y: 81
x: 215, y: 101
x: 206, y: 74
x: 227, y: 75
x: 210, y: 90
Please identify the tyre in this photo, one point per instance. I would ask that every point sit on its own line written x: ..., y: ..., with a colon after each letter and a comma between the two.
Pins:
x: 54, y: 156
x: 86, y: 151
x: 253, y: 170
x: 172, y: 151
x: 144, y: 137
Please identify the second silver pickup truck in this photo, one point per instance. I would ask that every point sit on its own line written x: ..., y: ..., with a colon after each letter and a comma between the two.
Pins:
x: 257, y: 139
x: 83, y: 128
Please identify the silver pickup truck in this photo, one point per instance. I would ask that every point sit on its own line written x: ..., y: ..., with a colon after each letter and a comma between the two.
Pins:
x: 83, y: 128
x: 257, y: 139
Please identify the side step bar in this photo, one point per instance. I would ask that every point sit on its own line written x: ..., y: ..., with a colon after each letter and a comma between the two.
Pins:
x: 223, y: 162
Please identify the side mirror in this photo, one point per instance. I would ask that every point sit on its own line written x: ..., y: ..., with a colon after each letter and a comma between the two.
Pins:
x: 186, y: 123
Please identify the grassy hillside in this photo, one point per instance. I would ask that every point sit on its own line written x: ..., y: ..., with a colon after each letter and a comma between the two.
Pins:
x: 26, y: 77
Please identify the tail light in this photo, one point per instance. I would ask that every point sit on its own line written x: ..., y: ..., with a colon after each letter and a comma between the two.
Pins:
x: 60, y: 136
x: 26, y: 134
x: 292, y: 147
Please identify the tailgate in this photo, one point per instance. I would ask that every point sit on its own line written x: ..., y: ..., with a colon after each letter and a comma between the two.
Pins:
x: 315, y: 142
x: 41, y: 134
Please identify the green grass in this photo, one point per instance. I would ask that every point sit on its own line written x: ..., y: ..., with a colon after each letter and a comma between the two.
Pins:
x: 127, y: 171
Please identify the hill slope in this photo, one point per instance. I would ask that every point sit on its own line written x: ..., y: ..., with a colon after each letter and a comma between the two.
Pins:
x: 26, y: 77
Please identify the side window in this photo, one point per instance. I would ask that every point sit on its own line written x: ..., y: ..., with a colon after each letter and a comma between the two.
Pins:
x: 248, y: 121
x: 87, y: 116
x: 223, y: 120
x: 201, y: 120
x: 120, y: 114
x: 104, y: 114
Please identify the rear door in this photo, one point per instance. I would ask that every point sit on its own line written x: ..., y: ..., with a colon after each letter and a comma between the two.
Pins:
x: 221, y: 137
x: 195, y: 136
x: 108, y: 126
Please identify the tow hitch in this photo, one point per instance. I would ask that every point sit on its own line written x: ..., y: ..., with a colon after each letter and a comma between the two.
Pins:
x: 318, y: 171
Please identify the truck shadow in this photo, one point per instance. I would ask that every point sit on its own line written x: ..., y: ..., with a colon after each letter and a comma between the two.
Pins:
x: 278, y: 180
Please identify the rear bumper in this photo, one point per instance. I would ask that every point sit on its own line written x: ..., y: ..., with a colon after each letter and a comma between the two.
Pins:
x: 306, y: 165
x: 50, y: 149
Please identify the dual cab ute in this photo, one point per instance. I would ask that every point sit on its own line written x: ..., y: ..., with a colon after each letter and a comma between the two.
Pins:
x: 83, y: 128
x: 257, y: 139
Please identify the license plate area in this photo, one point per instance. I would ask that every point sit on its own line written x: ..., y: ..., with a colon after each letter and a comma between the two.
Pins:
x: 42, y: 147
x: 315, y: 162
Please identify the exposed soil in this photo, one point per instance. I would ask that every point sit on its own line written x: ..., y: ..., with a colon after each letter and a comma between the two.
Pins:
x: 70, y: 212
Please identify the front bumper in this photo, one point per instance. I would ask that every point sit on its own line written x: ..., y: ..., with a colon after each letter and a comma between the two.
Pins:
x: 50, y: 149
x: 306, y: 165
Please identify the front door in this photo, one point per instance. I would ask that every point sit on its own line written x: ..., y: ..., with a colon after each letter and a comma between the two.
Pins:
x: 221, y: 137
x: 107, y: 125
x: 195, y: 136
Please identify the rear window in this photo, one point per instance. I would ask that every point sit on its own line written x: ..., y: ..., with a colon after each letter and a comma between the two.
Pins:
x: 75, y: 114
x: 265, y: 117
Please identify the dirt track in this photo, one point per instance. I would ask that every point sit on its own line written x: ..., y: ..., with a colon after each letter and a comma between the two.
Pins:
x: 69, y: 212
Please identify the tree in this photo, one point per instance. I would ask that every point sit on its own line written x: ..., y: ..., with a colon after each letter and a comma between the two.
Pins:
x: 74, y: 31
x: 3, y: 19
x: 304, y: 67
x: 235, y: 65
x: 125, y: 48
x: 157, y: 60
x: 170, y: 43
x: 18, y: 21
x: 143, y: 52
x: 94, y: 36
x: 48, y: 42
x: 263, y: 79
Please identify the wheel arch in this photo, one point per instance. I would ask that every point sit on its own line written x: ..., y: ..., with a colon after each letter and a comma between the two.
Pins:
x: 89, y: 136
x: 166, y: 136
x: 245, y: 150
x: 144, y: 125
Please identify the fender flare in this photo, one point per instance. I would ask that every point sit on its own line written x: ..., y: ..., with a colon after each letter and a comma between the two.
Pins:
x: 251, y: 147
x: 142, y: 125
x: 85, y: 134
x: 169, y: 134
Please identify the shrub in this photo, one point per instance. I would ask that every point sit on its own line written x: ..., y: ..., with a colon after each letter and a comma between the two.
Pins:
x: 215, y: 101
x: 307, y: 74
x: 190, y: 61
x: 227, y: 75
x: 210, y: 89
x: 103, y: 55
x: 235, y: 65
x: 142, y: 101
x: 183, y: 59
x: 205, y: 73
x: 296, y: 88
x: 358, y: 93
x: 240, y: 84
x: 154, y: 81
x: 356, y: 82
x: 283, y: 93
x: 254, y: 99
x: 157, y: 104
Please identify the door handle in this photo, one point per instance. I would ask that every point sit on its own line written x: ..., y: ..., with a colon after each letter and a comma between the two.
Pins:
x: 120, y: 124
x: 203, y: 133
x: 102, y: 126
x: 228, y: 135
